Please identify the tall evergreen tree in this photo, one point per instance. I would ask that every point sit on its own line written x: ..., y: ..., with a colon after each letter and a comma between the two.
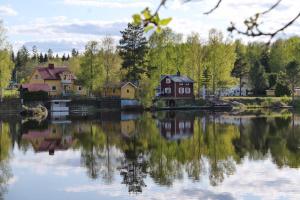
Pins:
x: 41, y: 58
x: 133, y: 48
x: 50, y: 54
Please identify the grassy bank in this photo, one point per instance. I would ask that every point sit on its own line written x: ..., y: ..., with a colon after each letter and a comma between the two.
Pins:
x: 261, y: 102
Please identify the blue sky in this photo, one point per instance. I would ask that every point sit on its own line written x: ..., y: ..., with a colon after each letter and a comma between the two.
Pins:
x: 64, y: 24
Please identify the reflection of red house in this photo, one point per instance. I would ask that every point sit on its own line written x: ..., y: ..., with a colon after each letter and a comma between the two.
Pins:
x: 177, y: 127
x: 47, y: 141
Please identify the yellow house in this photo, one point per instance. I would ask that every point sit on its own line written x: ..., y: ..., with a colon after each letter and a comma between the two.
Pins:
x: 124, y: 90
x: 59, y: 80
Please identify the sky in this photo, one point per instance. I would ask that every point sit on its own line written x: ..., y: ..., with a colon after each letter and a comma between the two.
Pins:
x: 65, y: 24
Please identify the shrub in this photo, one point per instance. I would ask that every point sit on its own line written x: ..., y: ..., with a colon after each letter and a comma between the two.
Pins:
x: 35, y: 96
x: 282, y: 90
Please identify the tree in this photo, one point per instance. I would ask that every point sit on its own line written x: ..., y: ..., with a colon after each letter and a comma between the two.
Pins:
x: 220, y: 60
x: 45, y: 58
x: 6, y: 64
x: 109, y: 58
x: 90, y: 66
x: 41, y: 58
x: 293, y: 77
x: 35, y: 54
x: 241, y: 67
x: 258, y: 78
x: 132, y: 49
x: 50, y: 54
x: 75, y: 53
x: 195, y: 58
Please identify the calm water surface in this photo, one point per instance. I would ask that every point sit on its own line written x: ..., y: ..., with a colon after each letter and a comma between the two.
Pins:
x: 167, y: 155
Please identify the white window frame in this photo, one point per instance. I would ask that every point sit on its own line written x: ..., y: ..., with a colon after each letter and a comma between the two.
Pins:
x: 188, y: 90
x: 181, y: 90
x: 168, y: 90
x: 168, y: 80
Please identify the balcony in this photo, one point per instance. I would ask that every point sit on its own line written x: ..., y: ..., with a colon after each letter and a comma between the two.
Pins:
x: 67, y: 81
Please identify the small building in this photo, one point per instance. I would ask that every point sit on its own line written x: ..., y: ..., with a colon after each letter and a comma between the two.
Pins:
x: 297, y: 92
x: 176, y: 87
x: 123, y: 90
x: 60, y: 80
x: 270, y: 92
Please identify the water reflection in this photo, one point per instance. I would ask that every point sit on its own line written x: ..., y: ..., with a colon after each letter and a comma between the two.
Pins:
x: 165, y: 147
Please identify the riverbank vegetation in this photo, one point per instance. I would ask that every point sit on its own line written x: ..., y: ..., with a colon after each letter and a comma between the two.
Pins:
x: 216, y: 63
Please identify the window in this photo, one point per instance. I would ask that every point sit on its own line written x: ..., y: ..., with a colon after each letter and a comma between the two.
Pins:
x: 168, y: 90
x: 79, y: 88
x: 114, y: 90
x: 36, y: 76
x: 65, y: 77
x: 180, y: 83
x: 181, y: 125
x: 168, y: 80
x: 188, y: 124
x: 187, y: 90
x: 181, y: 90
x: 127, y: 90
x: 168, y: 125
x: 53, y: 88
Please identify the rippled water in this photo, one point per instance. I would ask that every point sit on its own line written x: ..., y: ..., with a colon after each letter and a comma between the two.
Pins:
x: 167, y: 155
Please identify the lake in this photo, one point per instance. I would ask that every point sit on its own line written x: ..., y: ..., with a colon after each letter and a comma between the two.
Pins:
x: 163, y: 155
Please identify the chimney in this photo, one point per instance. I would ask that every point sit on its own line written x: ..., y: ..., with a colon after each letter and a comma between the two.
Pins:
x: 51, y: 66
x: 178, y: 73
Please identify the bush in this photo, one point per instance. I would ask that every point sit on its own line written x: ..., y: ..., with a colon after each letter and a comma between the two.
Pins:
x: 35, y: 96
x: 282, y: 90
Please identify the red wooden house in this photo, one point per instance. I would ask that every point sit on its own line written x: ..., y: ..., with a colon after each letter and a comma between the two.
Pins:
x: 175, y: 87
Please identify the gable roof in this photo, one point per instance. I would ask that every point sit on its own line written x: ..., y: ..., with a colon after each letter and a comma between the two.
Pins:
x: 48, y: 73
x: 118, y: 85
x: 35, y: 87
x: 178, y: 79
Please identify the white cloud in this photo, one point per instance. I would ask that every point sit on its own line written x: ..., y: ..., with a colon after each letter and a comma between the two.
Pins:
x: 62, y: 34
x: 109, y: 4
x: 7, y: 11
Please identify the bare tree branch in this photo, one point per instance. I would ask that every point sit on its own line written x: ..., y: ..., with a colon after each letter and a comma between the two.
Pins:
x: 214, y: 8
x: 272, y: 7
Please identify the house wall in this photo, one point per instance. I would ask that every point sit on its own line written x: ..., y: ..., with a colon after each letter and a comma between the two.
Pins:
x: 112, y: 92
x: 58, y: 85
x: 36, y: 78
x: 76, y: 90
x: 128, y: 92
x: 164, y: 85
x: 184, y: 85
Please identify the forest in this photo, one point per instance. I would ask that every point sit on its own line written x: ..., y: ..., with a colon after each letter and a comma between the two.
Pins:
x: 214, y: 62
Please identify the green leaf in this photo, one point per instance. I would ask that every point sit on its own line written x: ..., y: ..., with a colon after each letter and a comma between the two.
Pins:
x: 165, y: 22
x: 148, y: 28
x: 146, y: 13
x: 158, y: 29
x: 137, y: 19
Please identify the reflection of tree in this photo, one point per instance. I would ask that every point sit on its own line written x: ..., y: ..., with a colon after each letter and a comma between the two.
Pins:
x: 5, y: 146
x: 134, y: 167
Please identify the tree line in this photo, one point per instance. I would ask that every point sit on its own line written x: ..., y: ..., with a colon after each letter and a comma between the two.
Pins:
x: 215, y: 63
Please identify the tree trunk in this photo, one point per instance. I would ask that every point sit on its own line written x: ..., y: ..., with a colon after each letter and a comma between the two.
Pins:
x: 240, y: 86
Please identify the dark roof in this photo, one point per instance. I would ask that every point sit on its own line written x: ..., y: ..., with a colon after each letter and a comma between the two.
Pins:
x: 53, y: 73
x: 178, y: 79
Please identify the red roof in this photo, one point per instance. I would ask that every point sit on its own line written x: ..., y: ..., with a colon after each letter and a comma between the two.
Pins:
x: 52, y: 73
x: 35, y: 87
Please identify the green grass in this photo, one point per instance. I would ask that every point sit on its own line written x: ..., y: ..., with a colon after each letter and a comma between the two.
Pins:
x: 11, y: 93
